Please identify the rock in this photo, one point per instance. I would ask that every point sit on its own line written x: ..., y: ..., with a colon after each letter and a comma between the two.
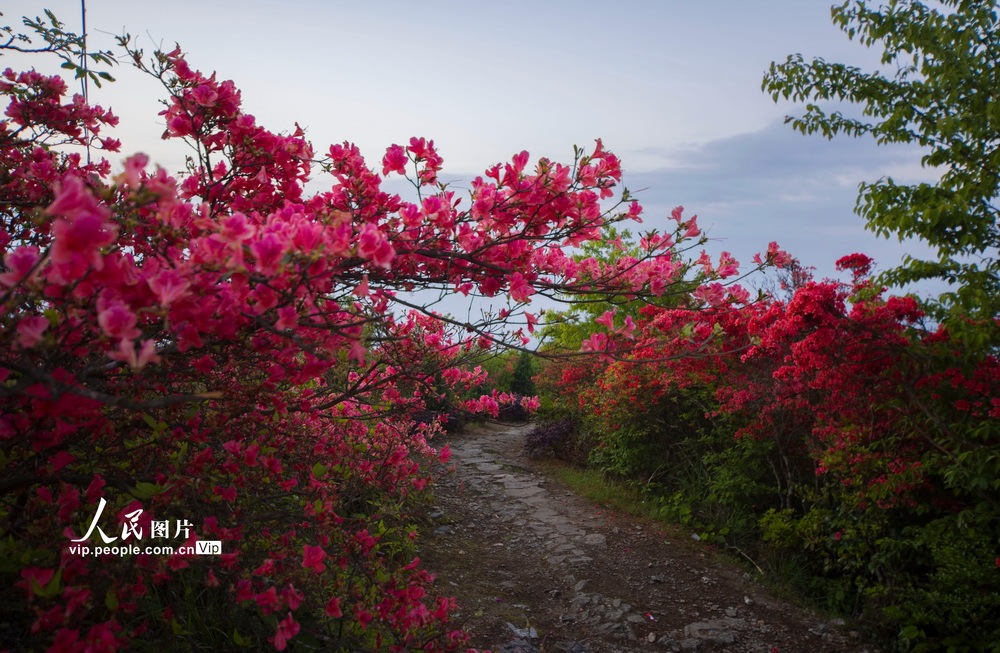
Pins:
x: 731, y: 612
x: 595, y: 539
x: 718, y: 631
x: 517, y: 646
x: 523, y: 633
x: 579, y: 586
x: 651, y: 637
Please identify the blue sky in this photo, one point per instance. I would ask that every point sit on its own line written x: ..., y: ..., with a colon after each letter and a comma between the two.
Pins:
x: 671, y: 86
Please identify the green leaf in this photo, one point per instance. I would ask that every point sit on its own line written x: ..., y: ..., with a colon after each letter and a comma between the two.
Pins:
x: 51, y: 589
x: 111, y: 600
x: 144, y: 490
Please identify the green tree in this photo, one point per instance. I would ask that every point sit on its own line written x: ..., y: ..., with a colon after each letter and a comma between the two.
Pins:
x: 521, y: 382
x: 941, y: 89
x: 565, y: 330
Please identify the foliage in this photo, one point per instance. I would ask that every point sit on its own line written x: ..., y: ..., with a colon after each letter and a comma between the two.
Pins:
x: 558, y: 438
x: 905, y: 418
x: 69, y: 47
x: 521, y: 383
x: 940, y: 94
x: 862, y: 438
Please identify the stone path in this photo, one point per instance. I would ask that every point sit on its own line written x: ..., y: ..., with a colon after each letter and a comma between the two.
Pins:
x: 536, y: 568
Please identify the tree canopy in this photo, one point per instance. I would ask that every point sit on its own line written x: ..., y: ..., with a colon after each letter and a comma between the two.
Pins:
x: 939, y: 91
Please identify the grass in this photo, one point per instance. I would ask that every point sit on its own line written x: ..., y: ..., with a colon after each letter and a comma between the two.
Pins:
x: 781, y: 572
x: 593, y: 486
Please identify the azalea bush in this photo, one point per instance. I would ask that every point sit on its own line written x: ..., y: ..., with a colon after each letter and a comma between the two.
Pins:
x: 216, y: 356
x: 834, y: 425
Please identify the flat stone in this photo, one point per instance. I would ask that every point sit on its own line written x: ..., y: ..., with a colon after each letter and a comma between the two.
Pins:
x: 569, y: 529
x: 595, y: 539
x: 489, y: 467
x: 712, y: 632
x: 516, y: 483
x: 545, y: 515
x: 525, y: 492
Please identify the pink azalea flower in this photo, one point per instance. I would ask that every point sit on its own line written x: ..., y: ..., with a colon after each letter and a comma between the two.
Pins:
x: 268, y: 251
x: 776, y: 255
x: 333, y: 608
x: 168, y: 286
x: 20, y: 262
x: 30, y: 330
x: 374, y: 246
x: 395, y: 160
x: 288, y: 318
x: 204, y: 95
x: 135, y: 165
x: 267, y: 600
x: 236, y: 229
x: 79, y: 236
x: 60, y: 460
x: 728, y: 266
x: 35, y: 579
x: 607, y: 320
x: 116, y: 319
x: 692, y: 230
x: 287, y: 629
x: 243, y: 591
x: 532, y: 321
x: 136, y: 360
x: 712, y: 294
x: 312, y: 558
x: 520, y: 289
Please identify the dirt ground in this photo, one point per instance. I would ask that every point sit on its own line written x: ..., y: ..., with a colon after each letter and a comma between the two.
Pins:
x: 536, y: 568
